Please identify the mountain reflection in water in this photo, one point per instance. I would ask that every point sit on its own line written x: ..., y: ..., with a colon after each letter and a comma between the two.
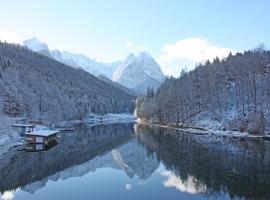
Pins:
x: 126, y: 161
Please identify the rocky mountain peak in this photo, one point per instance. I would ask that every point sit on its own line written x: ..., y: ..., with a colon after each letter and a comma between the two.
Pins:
x: 35, y: 45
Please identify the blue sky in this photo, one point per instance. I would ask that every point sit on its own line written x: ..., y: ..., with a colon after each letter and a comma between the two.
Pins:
x: 177, y: 33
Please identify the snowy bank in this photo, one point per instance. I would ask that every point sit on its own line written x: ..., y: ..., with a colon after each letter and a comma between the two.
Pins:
x: 207, y: 131
x: 96, y: 119
x: 10, y: 138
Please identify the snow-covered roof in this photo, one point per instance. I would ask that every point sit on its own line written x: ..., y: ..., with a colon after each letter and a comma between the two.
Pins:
x: 43, y: 133
x: 23, y: 125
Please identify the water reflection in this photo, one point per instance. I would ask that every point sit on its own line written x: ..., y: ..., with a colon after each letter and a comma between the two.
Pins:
x: 211, y: 165
x: 39, y: 147
x: 191, y: 185
x: 174, y: 165
x: 18, y: 169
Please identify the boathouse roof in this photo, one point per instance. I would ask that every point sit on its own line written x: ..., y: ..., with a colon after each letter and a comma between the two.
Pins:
x: 43, y: 133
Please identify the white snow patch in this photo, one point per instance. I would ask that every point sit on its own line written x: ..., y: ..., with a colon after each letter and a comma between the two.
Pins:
x: 9, y: 137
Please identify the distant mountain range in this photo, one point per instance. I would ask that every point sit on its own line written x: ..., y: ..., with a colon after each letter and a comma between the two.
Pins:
x: 135, y: 72
x: 72, y: 59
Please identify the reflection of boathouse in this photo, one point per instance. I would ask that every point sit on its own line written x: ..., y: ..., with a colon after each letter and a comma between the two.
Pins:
x: 39, y: 147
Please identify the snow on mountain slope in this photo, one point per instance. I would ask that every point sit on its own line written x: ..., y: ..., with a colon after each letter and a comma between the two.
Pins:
x: 75, y: 60
x: 120, y: 68
x: 137, y: 73
x: 150, y: 66
x: 89, y: 65
x: 35, y: 45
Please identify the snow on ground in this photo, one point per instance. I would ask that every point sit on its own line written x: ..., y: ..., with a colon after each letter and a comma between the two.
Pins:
x: 8, y: 137
x: 211, y: 135
x: 207, y: 120
x: 230, y: 120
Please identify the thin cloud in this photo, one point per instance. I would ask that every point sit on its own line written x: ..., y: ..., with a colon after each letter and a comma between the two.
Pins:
x: 196, y: 49
x: 10, y: 37
x: 128, y: 45
x: 142, y: 48
x: 136, y: 48
x: 186, y: 53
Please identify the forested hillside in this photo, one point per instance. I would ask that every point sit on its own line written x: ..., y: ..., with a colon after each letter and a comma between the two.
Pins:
x: 33, y: 85
x: 234, y: 92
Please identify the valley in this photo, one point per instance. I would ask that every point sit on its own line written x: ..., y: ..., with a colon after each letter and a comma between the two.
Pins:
x: 134, y: 100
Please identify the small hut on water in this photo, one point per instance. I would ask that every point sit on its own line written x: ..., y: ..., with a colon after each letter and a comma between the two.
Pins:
x: 45, y: 137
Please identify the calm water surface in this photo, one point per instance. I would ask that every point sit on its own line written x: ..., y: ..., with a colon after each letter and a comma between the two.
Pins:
x: 127, y: 161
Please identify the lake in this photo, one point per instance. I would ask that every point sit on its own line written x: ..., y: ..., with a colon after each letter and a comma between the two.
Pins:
x: 130, y: 161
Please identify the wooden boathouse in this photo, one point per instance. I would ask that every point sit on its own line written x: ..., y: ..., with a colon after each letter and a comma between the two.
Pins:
x: 45, y: 137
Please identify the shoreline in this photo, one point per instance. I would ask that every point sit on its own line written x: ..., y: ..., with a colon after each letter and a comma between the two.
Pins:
x: 10, y: 139
x: 208, y: 132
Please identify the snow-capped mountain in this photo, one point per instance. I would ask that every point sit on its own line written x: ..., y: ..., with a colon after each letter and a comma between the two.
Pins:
x: 139, y: 72
x: 90, y: 65
x: 35, y: 44
x: 136, y: 72
x: 72, y: 59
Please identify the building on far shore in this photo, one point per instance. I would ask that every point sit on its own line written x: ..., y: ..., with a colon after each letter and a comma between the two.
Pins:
x: 22, y: 129
x: 45, y: 137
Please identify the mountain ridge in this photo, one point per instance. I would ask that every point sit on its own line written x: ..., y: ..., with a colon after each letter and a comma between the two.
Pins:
x: 143, y: 65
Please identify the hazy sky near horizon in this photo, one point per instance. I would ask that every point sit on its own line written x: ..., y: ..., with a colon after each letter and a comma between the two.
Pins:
x: 177, y: 33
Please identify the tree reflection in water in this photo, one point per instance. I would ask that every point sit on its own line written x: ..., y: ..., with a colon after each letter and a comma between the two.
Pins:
x: 209, y: 164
